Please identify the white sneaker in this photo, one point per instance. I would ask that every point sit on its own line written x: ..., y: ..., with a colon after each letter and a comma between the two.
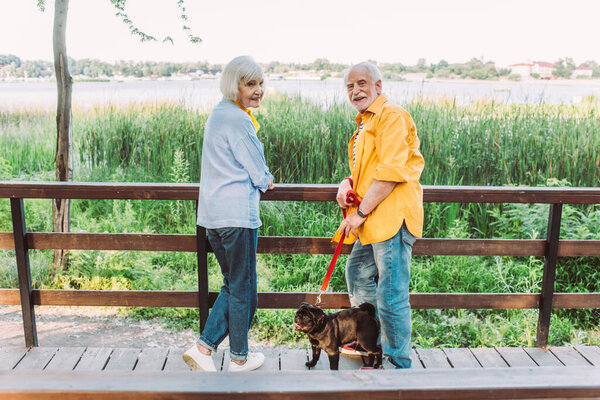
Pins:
x: 253, y: 361
x: 196, y: 360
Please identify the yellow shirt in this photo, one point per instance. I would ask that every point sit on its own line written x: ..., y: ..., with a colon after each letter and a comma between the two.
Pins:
x: 247, y: 111
x: 388, y: 150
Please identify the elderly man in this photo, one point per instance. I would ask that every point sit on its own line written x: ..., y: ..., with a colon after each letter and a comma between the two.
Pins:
x: 385, y: 165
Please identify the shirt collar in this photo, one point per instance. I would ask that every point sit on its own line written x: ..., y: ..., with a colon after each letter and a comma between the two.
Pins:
x: 247, y: 111
x: 375, y: 107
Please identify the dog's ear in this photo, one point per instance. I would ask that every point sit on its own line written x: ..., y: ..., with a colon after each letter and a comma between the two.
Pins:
x: 304, y: 304
x: 316, y: 314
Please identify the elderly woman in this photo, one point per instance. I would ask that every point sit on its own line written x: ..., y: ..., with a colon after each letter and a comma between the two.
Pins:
x: 234, y: 172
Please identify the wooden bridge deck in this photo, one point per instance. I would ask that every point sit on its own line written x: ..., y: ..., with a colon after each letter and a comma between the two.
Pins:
x: 282, y: 359
x: 159, y: 373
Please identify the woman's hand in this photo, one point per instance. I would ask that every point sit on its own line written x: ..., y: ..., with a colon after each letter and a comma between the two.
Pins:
x: 271, y: 184
x: 341, y: 193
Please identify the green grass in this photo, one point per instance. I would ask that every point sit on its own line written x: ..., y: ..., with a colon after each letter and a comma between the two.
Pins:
x: 480, y: 144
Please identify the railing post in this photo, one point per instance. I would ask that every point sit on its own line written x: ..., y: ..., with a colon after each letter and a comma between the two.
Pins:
x: 202, y: 275
x: 547, y: 294
x: 24, y: 272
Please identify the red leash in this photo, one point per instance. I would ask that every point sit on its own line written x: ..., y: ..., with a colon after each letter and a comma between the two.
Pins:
x: 351, y: 197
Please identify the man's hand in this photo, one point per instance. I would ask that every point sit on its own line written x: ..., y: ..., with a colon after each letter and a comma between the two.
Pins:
x: 271, y: 184
x: 351, y: 223
x: 341, y: 193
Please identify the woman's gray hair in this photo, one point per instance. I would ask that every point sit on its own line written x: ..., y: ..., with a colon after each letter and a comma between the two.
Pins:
x: 238, y: 69
x: 373, y: 71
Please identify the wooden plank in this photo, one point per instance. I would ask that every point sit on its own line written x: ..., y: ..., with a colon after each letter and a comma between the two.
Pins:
x: 293, y: 359
x: 416, y: 362
x: 283, y: 300
x: 591, y: 353
x: 489, y: 358
x: 551, y: 382
x: 112, y: 241
x: 550, y: 260
x: 23, y: 271
x: 346, y: 362
x: 475, y: 194
x: 104, y: 190
x: 297, y: 192
x: 297, y: 245
x: 579, y: 248
x: 433, y: 358
x: 570, y: 357
x: 122, y: 359
x: 11, y: 356
x: 65, y: 359
x: 290, y: 300
x: 37, y: 358
x: 152, y: 359
x: 543, y: 358
x: 175, y: 361
x: 461, y: 358
x: 7, y: 240
x: 576, y: 300
x: 10, y: 297
x: 202, y: 271
x: 271, y: 358
x: 125, y: 298
x: 221, y: 358
x: 94, y: 359
x: 516, y: 357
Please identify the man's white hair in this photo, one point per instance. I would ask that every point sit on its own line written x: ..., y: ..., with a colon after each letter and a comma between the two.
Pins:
x: 238, y: 69
x: 373, y: 71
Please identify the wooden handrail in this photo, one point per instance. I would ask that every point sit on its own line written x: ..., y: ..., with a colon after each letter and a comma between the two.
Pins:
x: 551, y: 248
x: 297, y: 245
x: 294, y: 192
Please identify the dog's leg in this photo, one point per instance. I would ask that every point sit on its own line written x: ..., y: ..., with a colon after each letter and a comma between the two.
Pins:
x: 334, y: 361
x: 316, y: 353
x: 379, y: 357
x: 368, y: 360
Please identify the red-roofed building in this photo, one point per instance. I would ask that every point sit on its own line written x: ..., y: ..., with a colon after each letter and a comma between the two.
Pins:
x: 582, y: 71
x: 543, y: 69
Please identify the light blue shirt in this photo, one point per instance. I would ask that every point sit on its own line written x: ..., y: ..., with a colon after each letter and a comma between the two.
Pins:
x: 233, y: 172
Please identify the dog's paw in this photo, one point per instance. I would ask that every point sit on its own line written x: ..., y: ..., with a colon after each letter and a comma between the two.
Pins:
x: 310, y: 364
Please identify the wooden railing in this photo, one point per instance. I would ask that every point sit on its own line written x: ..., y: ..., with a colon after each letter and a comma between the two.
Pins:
x: 550, y: 249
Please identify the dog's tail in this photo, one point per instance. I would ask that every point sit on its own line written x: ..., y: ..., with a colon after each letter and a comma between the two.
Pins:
x: 369, y: 308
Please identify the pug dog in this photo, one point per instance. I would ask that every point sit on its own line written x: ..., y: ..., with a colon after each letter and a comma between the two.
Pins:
x: 329, y: 331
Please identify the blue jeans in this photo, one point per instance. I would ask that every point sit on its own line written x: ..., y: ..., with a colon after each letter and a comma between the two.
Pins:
x: 232, y: 313
x: 379, y: 274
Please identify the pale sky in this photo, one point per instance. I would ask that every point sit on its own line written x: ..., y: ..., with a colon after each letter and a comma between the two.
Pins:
x: 346, y: 31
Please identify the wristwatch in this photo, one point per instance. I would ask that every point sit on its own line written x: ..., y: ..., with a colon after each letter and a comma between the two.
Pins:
x: 360, y: 213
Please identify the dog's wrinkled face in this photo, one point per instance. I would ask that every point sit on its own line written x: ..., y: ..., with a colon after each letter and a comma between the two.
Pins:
x: 308, y: 317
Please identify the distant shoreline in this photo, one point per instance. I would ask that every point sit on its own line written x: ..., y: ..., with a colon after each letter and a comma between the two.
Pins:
x: 412, y: 78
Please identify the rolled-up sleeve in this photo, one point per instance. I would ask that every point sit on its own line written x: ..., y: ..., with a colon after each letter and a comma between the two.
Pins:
x: 248, y: 151
x: 392, y: 148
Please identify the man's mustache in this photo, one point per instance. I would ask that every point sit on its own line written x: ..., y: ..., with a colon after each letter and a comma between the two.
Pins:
x: 358, y: 96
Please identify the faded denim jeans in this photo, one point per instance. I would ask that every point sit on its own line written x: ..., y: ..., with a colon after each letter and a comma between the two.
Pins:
x: 232, y: 313
x: 379, y: 274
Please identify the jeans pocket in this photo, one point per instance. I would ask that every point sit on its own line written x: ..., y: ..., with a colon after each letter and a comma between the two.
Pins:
x: 407, y: 237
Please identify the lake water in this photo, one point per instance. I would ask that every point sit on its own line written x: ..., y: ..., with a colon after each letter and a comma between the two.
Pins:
x: 204, y: 94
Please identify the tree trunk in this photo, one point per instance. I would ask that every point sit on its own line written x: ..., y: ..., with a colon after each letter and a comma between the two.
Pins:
x: 61, y: 208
